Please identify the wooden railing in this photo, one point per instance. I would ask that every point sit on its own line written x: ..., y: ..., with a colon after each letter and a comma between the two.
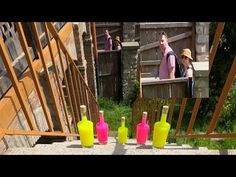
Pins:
x: 67, y: 112
x: 166, y: 88
x: 154, y: 106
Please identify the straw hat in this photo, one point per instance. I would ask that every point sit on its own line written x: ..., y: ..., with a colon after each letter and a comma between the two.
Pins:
x: 187, y: 53
x: 117, y: 38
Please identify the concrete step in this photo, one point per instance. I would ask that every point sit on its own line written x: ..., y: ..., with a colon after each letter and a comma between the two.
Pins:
x: 113, y: 148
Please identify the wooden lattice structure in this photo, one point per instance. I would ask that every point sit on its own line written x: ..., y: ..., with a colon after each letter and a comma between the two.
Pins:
x: 153, y: 106
x: 76, y: 91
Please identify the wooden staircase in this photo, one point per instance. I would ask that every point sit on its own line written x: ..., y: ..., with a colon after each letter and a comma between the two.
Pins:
x: 114, y: 148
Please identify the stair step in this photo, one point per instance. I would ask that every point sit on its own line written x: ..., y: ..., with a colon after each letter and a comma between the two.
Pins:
x: 114, y: 148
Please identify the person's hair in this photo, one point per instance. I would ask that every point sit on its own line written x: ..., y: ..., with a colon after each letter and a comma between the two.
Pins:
x: 163, y: 33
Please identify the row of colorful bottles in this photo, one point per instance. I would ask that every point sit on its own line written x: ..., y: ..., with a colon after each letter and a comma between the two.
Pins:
x: 85, y: 128
x: 161, y: 129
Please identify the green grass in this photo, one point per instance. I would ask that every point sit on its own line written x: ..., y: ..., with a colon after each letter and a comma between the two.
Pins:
x: 114, y: 111
x: 210, y: 143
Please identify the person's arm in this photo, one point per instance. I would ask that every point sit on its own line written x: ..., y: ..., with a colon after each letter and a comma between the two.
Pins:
x: 172, y: 73
x: 110, y: 44
x: 171, y: 66
x: 189, y: 73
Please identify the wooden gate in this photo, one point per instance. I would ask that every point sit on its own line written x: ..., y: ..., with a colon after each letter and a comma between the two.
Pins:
x: 109, y: 74
x: 180, y: 35
x: 114, y: 29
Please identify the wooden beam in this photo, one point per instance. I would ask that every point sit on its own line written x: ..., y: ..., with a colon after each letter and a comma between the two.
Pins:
x: 9, y: 104
x: 212, y: 135
x: 150, y: 62
x: 171, y: 110
x: 67, y: 87
x: 102, y: 25
x: 36, y: 133
x: 215, y: 43
x: 223, y: 96
x: 171, y: 39
x: 181, y: 113
x: 55, y: 34
x: 110, y: 32
x: 165, y: 25
x: 34, y: 27
x: 95, y: 49
x: 59, y: 84
x: 212, y: 54
x: 34, y: 76
x: 165, y: 81
x: 194, y: 115
x: 15, y: 83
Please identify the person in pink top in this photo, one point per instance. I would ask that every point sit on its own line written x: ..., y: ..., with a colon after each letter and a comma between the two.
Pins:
x: 167, y: 65
x: 108, y: 41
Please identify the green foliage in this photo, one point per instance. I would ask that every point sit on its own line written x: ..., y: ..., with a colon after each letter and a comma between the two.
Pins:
x: 113, y: 113
x: 228, y: 113
x: 218, y: 75
x: 133, y: 96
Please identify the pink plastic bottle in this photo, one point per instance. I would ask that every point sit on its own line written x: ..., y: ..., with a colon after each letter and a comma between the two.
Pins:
x: 142, y: 130
x: 102, y: 129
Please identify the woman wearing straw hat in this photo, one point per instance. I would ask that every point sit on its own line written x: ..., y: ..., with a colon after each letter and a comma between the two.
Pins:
x: 187, y: 62
x: 188, y: 69
x: 117, y: 43
x: 108, y: 40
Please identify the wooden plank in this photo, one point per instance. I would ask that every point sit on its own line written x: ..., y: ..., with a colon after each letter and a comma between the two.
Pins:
x: 165, y: 25
x: 110, y: 32
x: 47, y: 75
x: 25, y: 107
x: 104, y: 75
x: 35, y: 78
x: 75, y: 90
x: 215, y: 43
x: 110, y: 24
x: 145, y: 75
x: 55, y: 34
x: 137, y: 38
x: 72, y: 91
x: 171, y: 39
x: 94, y: 39
x: 194, y: 115
x: 1, y: 134
x: 223, y: 96
x: 9, y: 104
x: 150, y: 62
x: 181, y: 113
x: 171, y: 110
x: 67, y: 87
x: 211, y: 135
x: 61, y: 121
x: 36, y: 133
x: 212, y: 54
x: 83, y: 85
x: 165, y: 81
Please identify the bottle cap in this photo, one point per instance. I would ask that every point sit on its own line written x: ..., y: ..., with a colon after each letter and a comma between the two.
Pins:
x: 83, y: 109
x: 122, y: 118
x: 165, y: 109
x: 144, y: 113
x: 101, y: 113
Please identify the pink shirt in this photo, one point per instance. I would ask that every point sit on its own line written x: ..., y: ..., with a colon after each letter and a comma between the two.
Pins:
x: 108, y: 43
x: 165, y: 67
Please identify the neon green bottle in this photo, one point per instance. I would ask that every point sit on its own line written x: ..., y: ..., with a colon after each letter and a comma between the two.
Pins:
x: 161, y: 130
x: 85, y: 128
x: 122, y: 132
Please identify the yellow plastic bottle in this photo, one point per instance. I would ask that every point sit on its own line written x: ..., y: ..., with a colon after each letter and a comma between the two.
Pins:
x: 161, y: 130
x: 85, y: 128
x: 122, y: 132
